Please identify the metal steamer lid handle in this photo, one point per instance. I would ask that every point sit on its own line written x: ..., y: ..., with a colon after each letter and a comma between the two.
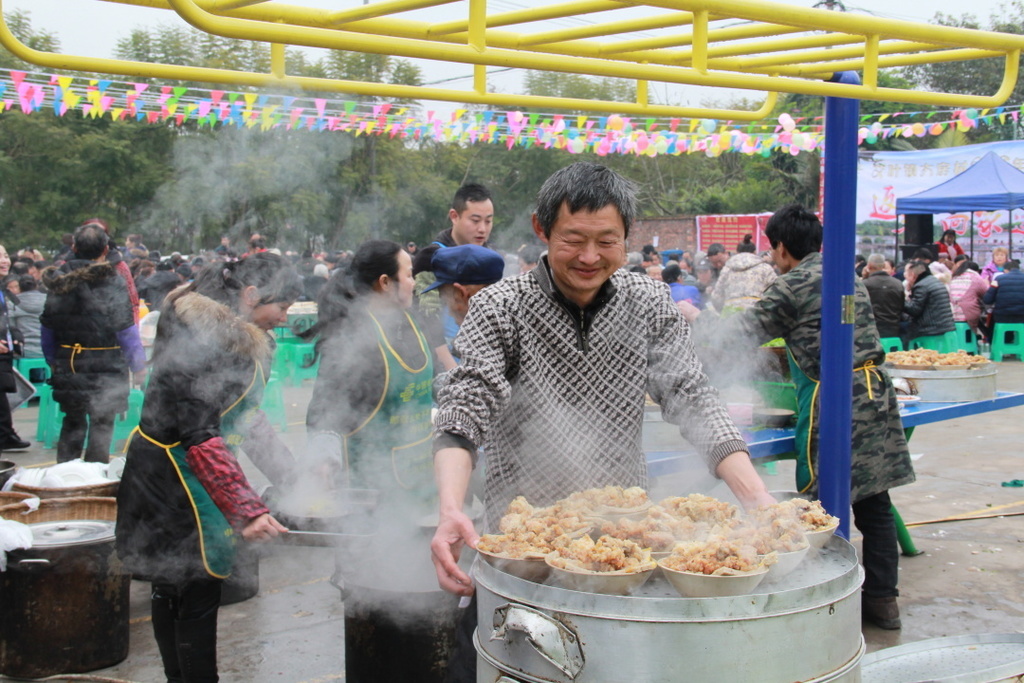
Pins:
x: 552, y: 640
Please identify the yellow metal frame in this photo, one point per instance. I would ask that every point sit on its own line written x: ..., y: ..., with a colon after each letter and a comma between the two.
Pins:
x: 779, y: 48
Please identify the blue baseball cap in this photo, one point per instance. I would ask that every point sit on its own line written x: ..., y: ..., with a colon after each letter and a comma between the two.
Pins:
x: 469, y: 264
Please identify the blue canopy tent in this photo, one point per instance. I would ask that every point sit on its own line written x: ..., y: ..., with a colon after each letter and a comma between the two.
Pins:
x: 989, y: 185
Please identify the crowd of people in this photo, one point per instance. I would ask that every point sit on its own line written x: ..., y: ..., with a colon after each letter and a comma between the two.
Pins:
x: 557, y: 360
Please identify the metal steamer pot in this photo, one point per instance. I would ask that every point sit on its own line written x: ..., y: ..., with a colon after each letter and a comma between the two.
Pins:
x: 805, y: 626
x: 64, y: 601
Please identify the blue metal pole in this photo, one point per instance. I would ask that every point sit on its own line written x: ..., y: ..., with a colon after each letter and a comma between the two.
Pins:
x: 840, y: 241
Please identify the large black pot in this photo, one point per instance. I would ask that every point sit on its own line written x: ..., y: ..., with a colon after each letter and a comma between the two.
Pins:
x: 64, y: 602
x: 398, y: 635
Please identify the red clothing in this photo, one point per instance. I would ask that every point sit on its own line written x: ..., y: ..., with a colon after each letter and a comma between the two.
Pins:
x: 222, y: 477
x: 947, y: 251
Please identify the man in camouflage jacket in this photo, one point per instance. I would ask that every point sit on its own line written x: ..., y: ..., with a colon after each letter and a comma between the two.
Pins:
x: 791, y: 308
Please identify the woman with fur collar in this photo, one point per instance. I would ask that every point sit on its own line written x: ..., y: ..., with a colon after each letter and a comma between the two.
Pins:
x: 184, y: 499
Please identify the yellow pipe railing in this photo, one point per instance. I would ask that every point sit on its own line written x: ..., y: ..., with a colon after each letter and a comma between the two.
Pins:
x: 784, y: 48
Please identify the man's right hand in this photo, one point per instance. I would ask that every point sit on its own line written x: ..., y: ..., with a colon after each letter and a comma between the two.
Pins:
x: 453, y: 532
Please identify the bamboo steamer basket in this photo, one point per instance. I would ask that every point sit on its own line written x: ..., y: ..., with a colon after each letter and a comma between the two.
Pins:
x: 101, y: 490
x: 63, y: 509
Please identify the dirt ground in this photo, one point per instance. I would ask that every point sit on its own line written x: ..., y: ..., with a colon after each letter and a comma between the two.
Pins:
x: 967, y: 579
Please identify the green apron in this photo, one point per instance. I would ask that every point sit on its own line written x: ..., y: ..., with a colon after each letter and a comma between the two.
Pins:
x: 807, y: 421
x: 807, y: 403
x: 216, y: 537
x: 392, y: 449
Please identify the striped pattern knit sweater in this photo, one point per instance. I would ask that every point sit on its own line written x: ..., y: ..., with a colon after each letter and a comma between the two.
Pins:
x: 556, y: 394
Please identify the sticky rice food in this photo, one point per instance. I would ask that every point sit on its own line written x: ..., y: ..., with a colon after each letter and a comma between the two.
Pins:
x: 605, y: 555
x: 700, y: 508
x: 809, y: 513
x: 658, y: 530
x: 717, y: 556
x: 781, y: 534
x: 610, y: 499
x: 532, y: 533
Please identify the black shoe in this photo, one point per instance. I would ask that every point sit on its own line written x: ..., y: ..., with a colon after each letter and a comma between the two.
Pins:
x: 882, y: 612
x: 14, y: 444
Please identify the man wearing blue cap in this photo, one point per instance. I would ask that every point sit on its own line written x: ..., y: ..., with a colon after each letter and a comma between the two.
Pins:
x: 461, y: 272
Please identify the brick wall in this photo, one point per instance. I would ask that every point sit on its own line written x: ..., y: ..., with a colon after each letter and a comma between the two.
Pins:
x: 674, y: 232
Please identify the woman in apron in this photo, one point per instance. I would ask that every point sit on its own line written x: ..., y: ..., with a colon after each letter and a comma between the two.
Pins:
x: 183, y: 499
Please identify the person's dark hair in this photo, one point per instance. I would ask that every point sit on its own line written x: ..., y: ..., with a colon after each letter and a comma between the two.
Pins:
x: 962, y: 266
x: 747, y: 245
x: 90, y: 241
x: 257, y: 243
x: 27, y: 283
x: 649, y: 249
x: 1012, y: 265
x: 184, y: 271
x: 959, y: 258
x: 530, y: 253
x: 470, y: 192
x: 671, y: 273
x: 947, y: 233
x: 345, y: 289
x: 716, y: 249
x: 924, y: 253
x: 973, y: 265
x: 270, y: 274
x: 19, y: 268
x: 638, y: 269
x: 585, y: 186
x: 796, y: 228
x: 918, y: 268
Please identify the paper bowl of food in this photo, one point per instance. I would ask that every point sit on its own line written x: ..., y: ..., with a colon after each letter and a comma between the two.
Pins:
x: 530, y: 567
x: 786, y: 562
x: 725, y: 583
x: 623, y: 582
x: 819, y: 537
x: 609, y: 565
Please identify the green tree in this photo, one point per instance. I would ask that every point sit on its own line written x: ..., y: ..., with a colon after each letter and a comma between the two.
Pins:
x: 20, y: 23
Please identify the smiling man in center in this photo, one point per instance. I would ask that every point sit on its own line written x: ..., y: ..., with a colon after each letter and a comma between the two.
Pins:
x: 556, y: 364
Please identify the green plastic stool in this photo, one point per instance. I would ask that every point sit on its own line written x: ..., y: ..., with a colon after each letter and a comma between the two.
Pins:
x: 1008, y: 340
x: 51, y: 417
x: 966, y: 340
x: 291, y: 361
x: 943, y: 343
x: 273, y: 403
x: 126, y: 422
x: 890, y: 344
x: 26, y: 366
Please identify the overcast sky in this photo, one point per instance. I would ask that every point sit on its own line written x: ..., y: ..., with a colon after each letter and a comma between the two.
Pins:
x: 93, y: 27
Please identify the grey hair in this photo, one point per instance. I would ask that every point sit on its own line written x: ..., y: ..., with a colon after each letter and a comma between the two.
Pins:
x: 634, y: 258
x: 876, y: 262
x: 589, y: 187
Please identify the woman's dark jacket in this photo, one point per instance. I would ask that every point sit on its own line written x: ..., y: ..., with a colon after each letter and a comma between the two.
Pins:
x: 205, y: 360
x: 87, y: 305
x: 1008, y: 297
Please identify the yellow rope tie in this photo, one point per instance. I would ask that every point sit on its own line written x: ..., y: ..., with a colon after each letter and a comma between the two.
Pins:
x: 869, y: 370
x: 78, y: 348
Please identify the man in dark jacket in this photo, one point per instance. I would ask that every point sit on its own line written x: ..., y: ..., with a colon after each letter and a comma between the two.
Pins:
x: 472, y: 217
x: 886, y: 294
x: 155, y: 288
x: 1007, y: 294
x: 928, y: 309
x: 90, y: 340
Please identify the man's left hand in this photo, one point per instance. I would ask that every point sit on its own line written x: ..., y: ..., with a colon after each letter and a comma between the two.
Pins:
x: 689, y: 311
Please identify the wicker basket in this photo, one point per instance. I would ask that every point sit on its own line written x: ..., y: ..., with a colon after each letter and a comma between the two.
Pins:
x: 103, y: 489
x: 63, y: 509
x: 10, y: 497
